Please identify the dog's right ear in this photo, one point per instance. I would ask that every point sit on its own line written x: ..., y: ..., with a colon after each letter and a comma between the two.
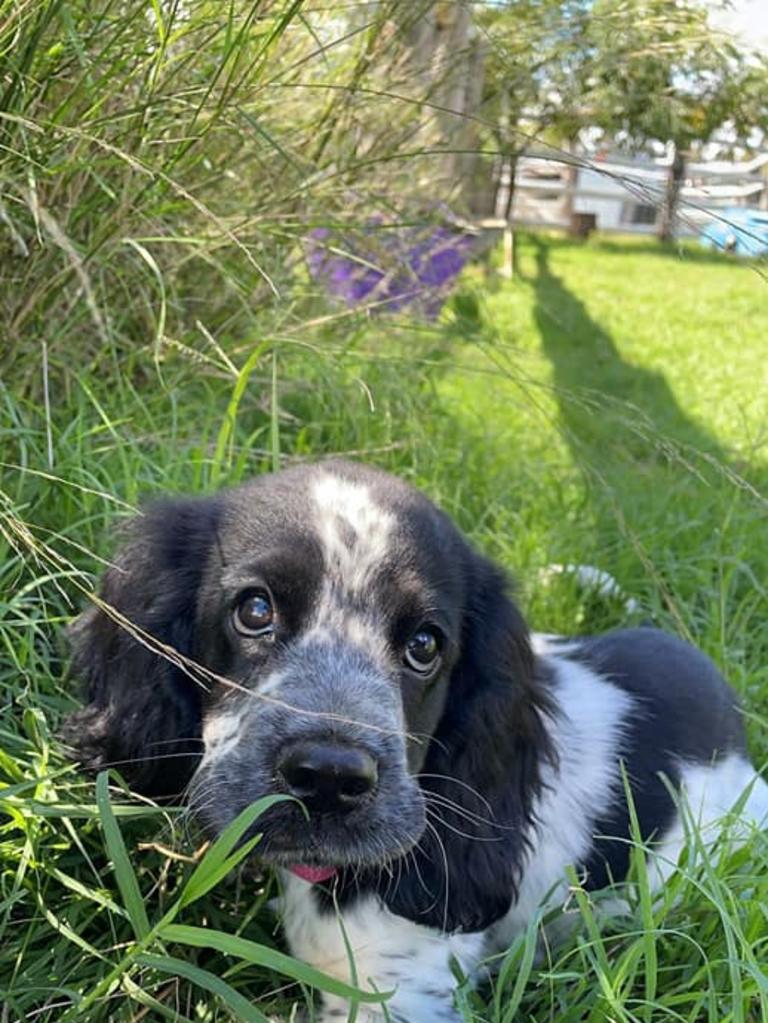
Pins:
x: 143, y: 714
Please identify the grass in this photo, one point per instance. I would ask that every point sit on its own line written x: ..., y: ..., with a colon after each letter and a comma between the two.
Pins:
x: 160, y: 168
x: 606, y: 407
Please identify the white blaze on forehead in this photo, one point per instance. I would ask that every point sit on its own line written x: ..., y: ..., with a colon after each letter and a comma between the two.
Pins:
x: 354, y: 530
x: 356, y: 536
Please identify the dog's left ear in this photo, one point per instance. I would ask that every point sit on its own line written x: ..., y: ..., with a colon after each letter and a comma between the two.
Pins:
x: 143, y: 713
x: 482, y: 772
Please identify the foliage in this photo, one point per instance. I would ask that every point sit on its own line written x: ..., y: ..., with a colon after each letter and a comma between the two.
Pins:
x: 662, y: 72
x: 534, y: 73
x: 642, y: 70
x: 159, y: 161
x: 665, y: 73
x: 535, y: 69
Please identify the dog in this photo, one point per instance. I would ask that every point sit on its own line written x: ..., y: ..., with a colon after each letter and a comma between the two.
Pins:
x: 326, y: 632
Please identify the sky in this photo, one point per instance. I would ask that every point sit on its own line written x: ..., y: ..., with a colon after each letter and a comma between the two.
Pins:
x: 747, y: 19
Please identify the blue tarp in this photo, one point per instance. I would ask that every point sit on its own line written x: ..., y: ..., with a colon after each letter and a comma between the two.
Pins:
x: 741, y: 231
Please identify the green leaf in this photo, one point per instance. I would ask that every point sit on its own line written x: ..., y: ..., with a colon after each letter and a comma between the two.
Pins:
x: 218, y: 861
x: 126, y: 879
x: 260, y: 955
x: 242, y: 1008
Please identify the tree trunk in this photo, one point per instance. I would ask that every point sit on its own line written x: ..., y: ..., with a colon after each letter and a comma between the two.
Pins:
x: 446, y: 58
x: 672, y: 194
x: 474, y: 168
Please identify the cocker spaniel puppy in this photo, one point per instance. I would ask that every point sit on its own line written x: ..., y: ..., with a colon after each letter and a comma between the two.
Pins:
x: 359, y: 655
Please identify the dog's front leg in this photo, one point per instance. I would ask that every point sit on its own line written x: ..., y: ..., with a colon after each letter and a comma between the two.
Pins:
x: 389, y: 953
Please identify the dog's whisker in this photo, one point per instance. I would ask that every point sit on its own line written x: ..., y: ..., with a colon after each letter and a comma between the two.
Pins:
x: 185, y: 739
x: 457, y: 831
x: 457, y: 781
x: 446, y: 872
x: 438, y: 800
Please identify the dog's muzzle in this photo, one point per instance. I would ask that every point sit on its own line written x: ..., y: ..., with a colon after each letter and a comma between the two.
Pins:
x: 330, y: 735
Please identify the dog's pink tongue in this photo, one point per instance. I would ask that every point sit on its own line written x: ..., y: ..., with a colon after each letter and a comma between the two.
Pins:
x: 315, y: 875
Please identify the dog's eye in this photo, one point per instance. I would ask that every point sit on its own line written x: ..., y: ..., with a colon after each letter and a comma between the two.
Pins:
x: 422, y: 651
x: 254, y: 613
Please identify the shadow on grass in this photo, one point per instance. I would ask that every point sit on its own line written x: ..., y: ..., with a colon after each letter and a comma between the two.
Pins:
x: 652, y: 470
x: 597, y: 390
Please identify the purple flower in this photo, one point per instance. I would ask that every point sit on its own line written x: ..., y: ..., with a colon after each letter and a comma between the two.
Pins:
x: 390, y: 267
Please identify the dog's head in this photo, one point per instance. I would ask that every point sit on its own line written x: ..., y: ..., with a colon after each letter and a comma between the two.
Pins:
x: 357, y: 654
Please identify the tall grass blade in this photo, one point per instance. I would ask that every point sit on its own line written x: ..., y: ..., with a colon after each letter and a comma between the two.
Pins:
x: 222, y: 460
x: 261, y: 955
x: 638, y: 858
x: 524, y: 963
x: 217, y: 862
x: 274, y: 421
x: 124, y: 875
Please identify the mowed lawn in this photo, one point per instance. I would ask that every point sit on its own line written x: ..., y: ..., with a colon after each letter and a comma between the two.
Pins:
x: 616, y: 397
x: 606, y: 407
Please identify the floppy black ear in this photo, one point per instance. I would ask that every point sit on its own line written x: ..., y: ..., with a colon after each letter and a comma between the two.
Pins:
x: 482, y: 771
x: 143, y: 711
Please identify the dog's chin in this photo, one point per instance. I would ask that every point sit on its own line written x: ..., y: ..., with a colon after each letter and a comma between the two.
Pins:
x: 372, y: 836
x: 332, y: 851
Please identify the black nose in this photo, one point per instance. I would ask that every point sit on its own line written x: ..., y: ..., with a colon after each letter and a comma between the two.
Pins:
x: 328, y: 778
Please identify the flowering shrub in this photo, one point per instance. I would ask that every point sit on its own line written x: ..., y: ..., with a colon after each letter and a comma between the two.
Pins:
x: 390, y: 267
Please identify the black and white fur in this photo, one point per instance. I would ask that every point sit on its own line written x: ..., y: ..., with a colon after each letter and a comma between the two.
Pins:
x: 492, y: 773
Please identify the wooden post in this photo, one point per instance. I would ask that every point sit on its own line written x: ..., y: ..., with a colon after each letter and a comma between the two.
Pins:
x: 508, y: 261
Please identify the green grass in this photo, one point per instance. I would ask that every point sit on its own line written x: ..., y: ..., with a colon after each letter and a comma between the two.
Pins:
x: 160, y: 167
x: 607, y: 407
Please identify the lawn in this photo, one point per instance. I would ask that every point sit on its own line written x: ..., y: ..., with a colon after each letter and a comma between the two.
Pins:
x: 606, y: 407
